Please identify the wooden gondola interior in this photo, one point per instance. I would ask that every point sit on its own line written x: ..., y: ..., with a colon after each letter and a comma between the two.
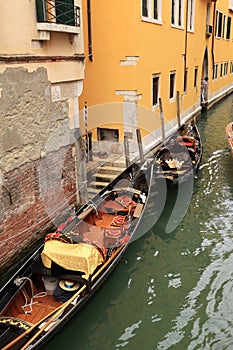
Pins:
x: 181, y: 154
x: 73, y: 254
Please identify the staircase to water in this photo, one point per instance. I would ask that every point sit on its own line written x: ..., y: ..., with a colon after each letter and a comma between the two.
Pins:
x: 104, y: 174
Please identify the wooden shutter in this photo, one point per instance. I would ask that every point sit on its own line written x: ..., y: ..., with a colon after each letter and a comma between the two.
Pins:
x: 41, y: 10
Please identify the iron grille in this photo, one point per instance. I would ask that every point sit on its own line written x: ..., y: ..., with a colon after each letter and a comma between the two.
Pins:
x: 59, y: 12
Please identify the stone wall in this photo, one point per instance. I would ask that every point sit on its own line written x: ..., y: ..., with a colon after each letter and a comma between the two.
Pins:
x: 37, y: 168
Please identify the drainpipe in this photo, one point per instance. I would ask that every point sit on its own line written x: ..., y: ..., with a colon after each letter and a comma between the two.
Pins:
x: 186, y: 40
x: 89, y: 32
x: 213, y: 33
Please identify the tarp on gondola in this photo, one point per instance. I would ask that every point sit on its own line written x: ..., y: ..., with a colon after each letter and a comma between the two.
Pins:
x: 81, y: 257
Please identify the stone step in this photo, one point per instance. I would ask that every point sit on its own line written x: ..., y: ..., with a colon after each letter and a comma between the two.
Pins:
x: 111, y: 169
x: 105, y: 176
x: 120, y: 163
x: 97, y: 185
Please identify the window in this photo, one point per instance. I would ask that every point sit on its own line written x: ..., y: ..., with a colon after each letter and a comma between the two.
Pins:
x: 155, y: 89
x: 215, y: 71
x: 185, y: 80
x: 231, y: 67
x: 144, y: 8
x: 224, y: 26
x: 228, y: 33
x: 172, y: 85
x: 218, y: 25
x: 105, y: 134
x: 177, y: 11
x: 190, y: 23
x: 151, y: 9
x: 221, y: 70
x: 65, y: 11
x: 225, y: 68
x: 195, y: 77
x: 58, y: 11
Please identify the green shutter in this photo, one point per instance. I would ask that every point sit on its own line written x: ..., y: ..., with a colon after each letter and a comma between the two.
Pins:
x: 40, y: 11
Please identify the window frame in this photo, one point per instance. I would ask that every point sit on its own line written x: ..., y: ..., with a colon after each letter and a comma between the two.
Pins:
x: 172, y: 85
x: 151, y: 10
x: 185, y: 80
x: 224, y: 26
x: 231, y: 67
x: 219, y: 24
x: 155, y: 99
x: 190, y: 19
x: 228, y: 28
x: 225, y: 69
x: 195, y: 78
x: 177, y: 13
x: 215, y: 71
x: 221, y: 70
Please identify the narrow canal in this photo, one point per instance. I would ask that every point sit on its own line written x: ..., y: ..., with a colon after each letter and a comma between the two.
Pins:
x: 172, y: 290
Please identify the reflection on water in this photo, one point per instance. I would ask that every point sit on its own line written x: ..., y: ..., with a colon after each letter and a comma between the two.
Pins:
x: 173, y: 289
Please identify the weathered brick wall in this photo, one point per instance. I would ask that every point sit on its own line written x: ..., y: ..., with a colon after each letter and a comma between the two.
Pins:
x: 37, y: 169
x: 29, y: 208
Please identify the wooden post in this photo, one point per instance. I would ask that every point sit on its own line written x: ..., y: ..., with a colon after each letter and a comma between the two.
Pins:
x: 139, y: 138
x: 127, y: 157
x: 178, y: 107
x: 90, y: 145
x: 86, y: 129
x: 162, y: 120
x: 82, y: 195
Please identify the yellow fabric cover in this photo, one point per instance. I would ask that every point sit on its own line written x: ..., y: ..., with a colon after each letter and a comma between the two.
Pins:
x: 76, y: 257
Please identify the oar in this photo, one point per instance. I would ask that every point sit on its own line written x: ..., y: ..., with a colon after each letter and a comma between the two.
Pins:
x: 57, y: 311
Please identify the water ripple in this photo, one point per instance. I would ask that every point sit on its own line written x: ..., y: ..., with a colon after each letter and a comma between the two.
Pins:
x: 128, y: 334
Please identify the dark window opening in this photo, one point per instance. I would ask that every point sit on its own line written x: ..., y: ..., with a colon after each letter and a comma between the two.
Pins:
x: 155, y: 90
x: 155, y: 9
x: 172, y: 85
x: 105, y: 134
x: 185, y: 80
x: 228, y: 35
x: 195, y: 77
x: 144, y: 8
x: 173, y: 12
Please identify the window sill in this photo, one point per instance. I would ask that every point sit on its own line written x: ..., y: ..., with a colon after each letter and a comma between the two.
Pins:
x: 177, y: 27
x: 155, y: 107
x: 53, y: 27
x: 151, y: 20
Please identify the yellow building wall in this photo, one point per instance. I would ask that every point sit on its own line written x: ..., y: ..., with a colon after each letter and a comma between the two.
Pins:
x: 223, y: 52
x: 118, y: 30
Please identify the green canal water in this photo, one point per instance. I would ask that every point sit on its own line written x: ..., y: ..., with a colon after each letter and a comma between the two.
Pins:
x: 172, y: 290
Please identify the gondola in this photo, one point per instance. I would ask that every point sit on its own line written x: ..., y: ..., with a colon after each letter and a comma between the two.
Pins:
x: 180, y: 157
x: 64, y: 272
x: 229, y: 135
